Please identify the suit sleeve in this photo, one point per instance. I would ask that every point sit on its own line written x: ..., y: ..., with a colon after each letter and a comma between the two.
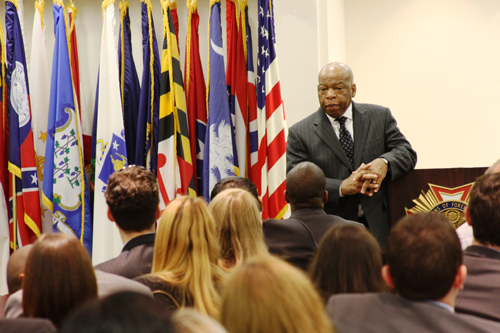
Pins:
x: 297, y: 151
x: 399, y: 153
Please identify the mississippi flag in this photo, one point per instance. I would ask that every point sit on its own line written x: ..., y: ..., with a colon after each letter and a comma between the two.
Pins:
x: 175, y: 165
x: 194, y: 83
x: 254, y: 172
x: 236, y: 78
x: 23, y: 188
x: 272, y: 129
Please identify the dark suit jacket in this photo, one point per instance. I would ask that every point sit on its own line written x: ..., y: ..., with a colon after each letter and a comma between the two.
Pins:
x: 290, y: 240
x: 135, y: 260
x: 389, y: 313
x: 481, y: 294
x: 319, y: 222
x: 23, y: 325
x: 375, y: 135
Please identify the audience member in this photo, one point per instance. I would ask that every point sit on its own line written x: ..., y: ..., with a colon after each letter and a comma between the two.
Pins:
x: 58, y: 277
x: 424, y: 266
x: 236, y: 182
x: 349, y: 260
x: 266, y: 294
x: 120, y: 313
x: 189, y: 320
x: 481, y: 289
x: 185, y: 270
x: 239, y: 227
x: 132, y: 197
x: 296, y: 238
x: 15, y: 268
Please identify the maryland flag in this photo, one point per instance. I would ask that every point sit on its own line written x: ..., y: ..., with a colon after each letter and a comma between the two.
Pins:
x: 175, y: 165
x: 25, y: 222
x: 194, y: 82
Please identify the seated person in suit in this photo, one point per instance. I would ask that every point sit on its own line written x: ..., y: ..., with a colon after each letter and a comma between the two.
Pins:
x: 239, y: 227
x: 348, y: 261
x: 133, y: 204
x: 481, y: 293
x: 296, y: 238
x: 424, y: 267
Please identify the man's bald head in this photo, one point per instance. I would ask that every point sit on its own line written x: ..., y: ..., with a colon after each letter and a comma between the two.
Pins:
x: 338, y: 68
x: 306, y: 186
x: 15, y: 267
x: 495, y: 168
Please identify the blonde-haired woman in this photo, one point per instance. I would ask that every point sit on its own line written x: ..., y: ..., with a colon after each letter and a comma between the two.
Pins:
x: 266, y: 294
x: 239, y: 227
x: 185, y: 270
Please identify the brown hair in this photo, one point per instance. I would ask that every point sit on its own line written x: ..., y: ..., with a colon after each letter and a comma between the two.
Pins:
x: 266, y: 294
x: 423, y: 255
x: 58, y: 277
x: 239, y: 226
x: 348, y: 260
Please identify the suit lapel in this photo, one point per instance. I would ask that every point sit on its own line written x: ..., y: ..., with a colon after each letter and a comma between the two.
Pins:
x: 324, y: 131
x: 361, y: 127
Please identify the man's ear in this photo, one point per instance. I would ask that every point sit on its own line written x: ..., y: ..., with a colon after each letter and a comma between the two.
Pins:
x: 354, y: 89
x: 21, y: 277
x: 458, y: 283
x: 285, y: 194
x: 387, y: 277
x: 157, y: 213
x: 325, y: 197
x: 467, y: 215
x: 110, y: 216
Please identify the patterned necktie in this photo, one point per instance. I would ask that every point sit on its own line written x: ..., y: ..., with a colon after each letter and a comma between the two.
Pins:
x: 346, y: 140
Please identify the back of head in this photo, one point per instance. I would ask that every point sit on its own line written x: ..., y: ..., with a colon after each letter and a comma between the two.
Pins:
x: 186, y: 251
x: 239, y: 226
x: 266, y: 294
x: 15, y: 267
x: 234, y: 182
x: 484, y: 209
x: 348, y: 260
x: 132, y: 197
x: 189, y: 320
x: 124, y: 312
x: 423, y: 255
x: 58, y: 277
x: 306, y: 185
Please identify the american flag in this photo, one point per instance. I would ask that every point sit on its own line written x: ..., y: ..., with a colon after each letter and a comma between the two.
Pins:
x: 272, y: 126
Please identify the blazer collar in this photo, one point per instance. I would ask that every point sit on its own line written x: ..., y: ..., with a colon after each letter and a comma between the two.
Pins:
x: 482, y: 251
x: 361, y: 122
x: 148, y: 238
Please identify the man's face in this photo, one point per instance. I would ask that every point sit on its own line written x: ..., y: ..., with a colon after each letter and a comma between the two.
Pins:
x: 335, y: 91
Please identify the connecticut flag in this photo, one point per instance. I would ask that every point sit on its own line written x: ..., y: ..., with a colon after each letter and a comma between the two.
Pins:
x: 65, y: 189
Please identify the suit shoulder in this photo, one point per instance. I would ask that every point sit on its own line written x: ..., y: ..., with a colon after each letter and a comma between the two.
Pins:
x: 370, y: 108
x: 307, y: 121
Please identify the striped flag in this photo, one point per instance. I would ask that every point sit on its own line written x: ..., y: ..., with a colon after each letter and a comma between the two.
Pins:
x: 39, y: 76
x: 85, y: 114
x: 129, y: 81
x: 111, y: 150
x: 65, y: 188
x: 146, y: 153
x: 236, y: 76
x: 24, y: 199
x: 194, y: 83
x: 272, y: 129
x: 254, y: 172
x: 175, y: 20
x: 175, y: 164
x: 219, y: 159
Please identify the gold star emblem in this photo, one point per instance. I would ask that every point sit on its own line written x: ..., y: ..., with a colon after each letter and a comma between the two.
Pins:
x: 43, y: 136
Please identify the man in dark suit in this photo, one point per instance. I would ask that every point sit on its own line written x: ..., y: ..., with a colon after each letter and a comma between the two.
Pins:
x: 133, y: 204
x: 356, y: 145
x: 424, y: 266
x: 481, y: 290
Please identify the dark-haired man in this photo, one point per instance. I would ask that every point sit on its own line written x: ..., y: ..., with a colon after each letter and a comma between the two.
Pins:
x: 236, y: 182
x: 424, y: 266
x: 481, y: 290
x: 133, y: 204
x: 357, y: 146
